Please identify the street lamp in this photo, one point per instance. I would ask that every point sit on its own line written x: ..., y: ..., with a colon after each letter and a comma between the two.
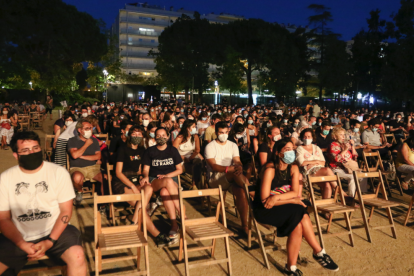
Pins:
x: 105, y: 80
x: 30, y: 85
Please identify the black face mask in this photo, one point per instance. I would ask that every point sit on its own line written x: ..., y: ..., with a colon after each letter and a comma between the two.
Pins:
x: 31, y: 161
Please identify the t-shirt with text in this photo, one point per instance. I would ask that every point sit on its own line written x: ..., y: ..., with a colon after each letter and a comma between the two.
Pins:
x: 161, y: 161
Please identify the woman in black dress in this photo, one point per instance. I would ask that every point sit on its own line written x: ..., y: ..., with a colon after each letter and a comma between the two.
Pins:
x: 277, y: 202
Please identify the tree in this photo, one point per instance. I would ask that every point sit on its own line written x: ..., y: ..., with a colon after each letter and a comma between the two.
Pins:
x: 184, y: 53
x: 318, y: 37
x: 50, y: 38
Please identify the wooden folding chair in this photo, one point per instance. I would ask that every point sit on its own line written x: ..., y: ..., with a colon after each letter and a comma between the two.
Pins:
x: 379, y: 166
x: 41, y: 265
x: 260, y: 234
x: 120, y: 237
x: 409, y: 211
x: 201, y: 229
x: 104, y: 138
x: 390, y: 138
x: 331, y: 206
x: 36, y: 120
x: 112, y: 207
x: 24, y: 121
x: 86, y: 191
x: 48, y: 147
x: 374, y: 201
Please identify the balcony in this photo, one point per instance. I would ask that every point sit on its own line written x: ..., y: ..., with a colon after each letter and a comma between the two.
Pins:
x: 135, y: 55
x: 139, y: 66
x: 132, y: 20
x: 139, y: 44
x: 140, y: 33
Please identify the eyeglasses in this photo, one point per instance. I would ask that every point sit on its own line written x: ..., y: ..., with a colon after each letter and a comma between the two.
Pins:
x: 26, y: 151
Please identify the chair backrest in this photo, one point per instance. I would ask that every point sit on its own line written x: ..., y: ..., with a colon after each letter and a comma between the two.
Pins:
x: 390, y: 138
x: 377, y: 160
x: 102, y: 137
x: 380, y: 187
x: 114, y: 199
x: 67, y: 162
x: 201, y: 193
x: 319, y: 179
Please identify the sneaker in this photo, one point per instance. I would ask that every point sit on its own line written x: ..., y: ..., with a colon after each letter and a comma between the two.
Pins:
x: 174, y: 234
x: 78, y: 197
x: 293, y: 271
x: 102, y: 210
x: 162, y: 240
x: 151, y: 208
x: 325, y: 261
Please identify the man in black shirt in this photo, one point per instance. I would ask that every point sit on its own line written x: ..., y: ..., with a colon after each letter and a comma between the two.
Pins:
x: 324, y: 139
x: 397, y: 127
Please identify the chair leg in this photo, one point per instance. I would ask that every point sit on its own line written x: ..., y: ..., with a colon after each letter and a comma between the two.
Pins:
x: 187, y: 270
x: 138, y: 257
x: 398, y: 182
x: 388, y: 186
x: 329, y: 223
x: 391, y: 220
x: 227, y: 245
x: 349, y: 228
x: 180, y: 251
x: 318, y: 227
x: 409, y: 210
x: 370, y: 214
x: 262, y: 248
x: 213, y: 249
x: 100, y: 260
x: 96, y: 262
x: 249, y: 234
x: 146, y: 260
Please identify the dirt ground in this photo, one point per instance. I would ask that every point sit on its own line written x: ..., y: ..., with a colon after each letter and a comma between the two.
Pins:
x: 384, y: 256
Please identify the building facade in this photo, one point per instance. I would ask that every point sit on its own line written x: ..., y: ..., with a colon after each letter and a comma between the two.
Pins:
x: 137, y: 28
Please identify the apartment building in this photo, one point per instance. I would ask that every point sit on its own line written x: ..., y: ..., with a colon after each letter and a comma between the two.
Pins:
x: 137, y: 28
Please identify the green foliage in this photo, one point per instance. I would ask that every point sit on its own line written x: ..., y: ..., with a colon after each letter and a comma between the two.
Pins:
x: 48, y: 39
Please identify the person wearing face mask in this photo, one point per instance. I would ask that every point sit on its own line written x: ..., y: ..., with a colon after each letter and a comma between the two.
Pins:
x: 162, y: 164
x: 311, y: 162
x: 177, y: 129
x: 153, y: 112
x: 277, y: 202
x: 6, y: 127
x: 149, y: 139
x: 44, y: 193
x: 335, y: 119
x: 266, y: 148
x: 324, y: 139
x: 168, y: 121
x: 342, y: 150
x: 225, y: 168
x: 60, y: 125
x: 372, y: 139
x: 397, y: 127
x: 203, y: 123
x: 210, y: 134
x: 355, y: 135
x: 239, y: 135
x: 119, y: 140
x: 84, y: 154
x: 188, y: 145
x: 146, y: 119
x: 253, y: 133
x: 364, y: 123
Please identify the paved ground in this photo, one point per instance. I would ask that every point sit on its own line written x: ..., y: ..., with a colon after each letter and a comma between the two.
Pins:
x: 384, y: 256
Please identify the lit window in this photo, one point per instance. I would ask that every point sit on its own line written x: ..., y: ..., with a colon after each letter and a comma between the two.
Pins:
x: 129, y: 95
x: 146, y: 73
x: 146, y: 30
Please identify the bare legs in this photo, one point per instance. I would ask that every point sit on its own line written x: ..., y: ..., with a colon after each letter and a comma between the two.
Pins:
x: 327, y: 187
x: 303, y: 229
x: 75, y: 260
x: 241, y: 200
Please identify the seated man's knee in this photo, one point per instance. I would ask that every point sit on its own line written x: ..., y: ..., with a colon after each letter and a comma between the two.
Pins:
x: 77, y: 177
x: 76, y: 256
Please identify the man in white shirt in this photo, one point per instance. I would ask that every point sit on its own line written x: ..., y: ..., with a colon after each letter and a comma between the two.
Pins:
x: 35, y: 209
x: 316, y: 109
x: 225, y: 168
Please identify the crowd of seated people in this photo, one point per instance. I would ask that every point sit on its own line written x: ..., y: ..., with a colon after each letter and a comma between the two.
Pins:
x: 151, y: 144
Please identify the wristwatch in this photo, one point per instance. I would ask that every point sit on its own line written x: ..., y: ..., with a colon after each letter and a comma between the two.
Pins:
x: 52, y: 240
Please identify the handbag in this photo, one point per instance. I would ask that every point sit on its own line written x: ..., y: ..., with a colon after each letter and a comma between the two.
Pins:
x: 351, y: 166
x: 5, y: 125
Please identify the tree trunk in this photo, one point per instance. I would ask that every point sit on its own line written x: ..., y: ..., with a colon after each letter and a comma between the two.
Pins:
x: 200, y: 95
x: 186, y: 94
x: 249, y: 83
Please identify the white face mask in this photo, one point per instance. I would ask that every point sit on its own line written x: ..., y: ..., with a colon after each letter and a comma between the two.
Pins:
x: 307, y: 141
x: 84, y: 115
x: 68, y: 123
x: 145, y: 123
x: 223, y: 137
x: 277, y: 138
x: 88, y: 134
x: 5, y: 112
x: 398, y: 119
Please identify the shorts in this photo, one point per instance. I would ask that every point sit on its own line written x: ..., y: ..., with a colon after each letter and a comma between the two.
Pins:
x: 49, y: 110
x: 151, y: 178
x: 219, y: 178
x: 15, y: 258
x: 118, y: 187
x: 88, y: 172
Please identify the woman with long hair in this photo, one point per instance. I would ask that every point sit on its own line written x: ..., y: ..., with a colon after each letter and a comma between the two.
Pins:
x: 149, y: 139
x: 202, y: 123
x: 266, y: 148
x: 188, y: 145
x: 277, y: 202
x: 168, y: 121
x: 6, y: 127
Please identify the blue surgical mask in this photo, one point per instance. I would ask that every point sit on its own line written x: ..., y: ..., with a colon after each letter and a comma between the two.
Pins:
x: 295, y: 124
x: 356, y: 130
x: 204, y: 118
x: 374, y: 129
x: 152, y: 135
x: 313, y: 123
x: 325, y: 132
x: 289, y: 157
x: 250, y: 122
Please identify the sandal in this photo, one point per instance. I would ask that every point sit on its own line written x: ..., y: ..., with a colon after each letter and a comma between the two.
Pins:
x: 404, y: 185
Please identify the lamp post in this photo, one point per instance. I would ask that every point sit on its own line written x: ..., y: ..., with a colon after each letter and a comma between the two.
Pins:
x: 105, y: 80
x: 31, y: 87
x: 335, y: 94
